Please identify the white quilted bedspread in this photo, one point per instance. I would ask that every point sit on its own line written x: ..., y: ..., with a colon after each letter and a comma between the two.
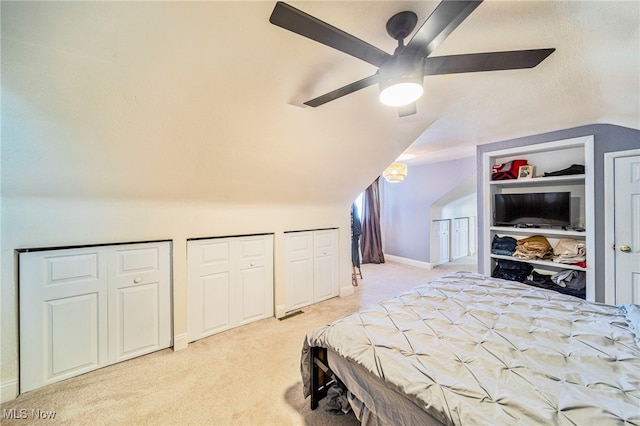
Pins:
x: 474, y: 350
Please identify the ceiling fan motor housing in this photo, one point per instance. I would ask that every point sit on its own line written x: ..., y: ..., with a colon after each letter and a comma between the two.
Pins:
x: 400, y: 80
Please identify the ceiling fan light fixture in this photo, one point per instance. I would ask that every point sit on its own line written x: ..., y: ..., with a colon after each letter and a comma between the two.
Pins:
x: 401, y: 93
x: 401, y: 81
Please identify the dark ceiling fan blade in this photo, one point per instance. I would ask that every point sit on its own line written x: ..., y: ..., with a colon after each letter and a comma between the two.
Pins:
x: 493, y: 61
x: 406, y: 110
x: 292, y: 19
x: 444, y: 19
x: 345, y: 90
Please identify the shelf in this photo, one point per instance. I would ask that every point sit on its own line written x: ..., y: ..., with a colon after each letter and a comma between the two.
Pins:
x: 545, y: 156
x: 541, y: 181
x: 547, y: 263
x: 537, y: 231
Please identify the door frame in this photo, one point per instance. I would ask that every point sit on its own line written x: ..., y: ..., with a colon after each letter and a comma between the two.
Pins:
x: 609, y: 222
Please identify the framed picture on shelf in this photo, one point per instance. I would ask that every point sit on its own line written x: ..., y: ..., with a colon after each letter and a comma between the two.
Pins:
x: 525, y: 172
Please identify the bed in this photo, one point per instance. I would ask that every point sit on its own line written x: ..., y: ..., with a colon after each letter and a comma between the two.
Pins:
x: 465, y: 349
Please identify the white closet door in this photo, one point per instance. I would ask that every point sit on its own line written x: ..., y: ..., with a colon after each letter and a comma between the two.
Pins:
x: 209, y: 264
x: 463, y: 236
x: 299, y: 269
x: 325, y: 266
x: 139, y: 300
x: 455, y: 238
x: 82, y: 309
x: 63, y: 314
x: 443, y: 241
x: 253, y: 290
x: 230, y: 283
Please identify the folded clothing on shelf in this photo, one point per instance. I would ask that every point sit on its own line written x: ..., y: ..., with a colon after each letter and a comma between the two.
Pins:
x: 511, y: 270
x: 508, y: 170
x: 570, y: 251
x: 576, y: 280
x: 539, y: 280
x: 574, y: 169
x: 544, y: 281
x: 534, y: 247
x: 503, y: 245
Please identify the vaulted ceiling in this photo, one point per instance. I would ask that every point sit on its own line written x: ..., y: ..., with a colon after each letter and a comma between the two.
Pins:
x: 203, y: 100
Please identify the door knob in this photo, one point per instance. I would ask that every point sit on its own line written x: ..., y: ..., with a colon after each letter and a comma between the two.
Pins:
x: 625, y: 249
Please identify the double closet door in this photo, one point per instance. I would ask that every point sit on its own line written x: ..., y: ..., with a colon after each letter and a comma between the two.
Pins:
x: 86, y: 308
x: 230, y: 283
x: 311, y: 267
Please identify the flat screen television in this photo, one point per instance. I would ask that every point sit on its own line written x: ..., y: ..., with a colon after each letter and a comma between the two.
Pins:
x: 544, y: 209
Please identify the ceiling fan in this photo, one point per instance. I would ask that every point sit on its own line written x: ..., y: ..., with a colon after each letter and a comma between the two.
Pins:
x: 401, y: 75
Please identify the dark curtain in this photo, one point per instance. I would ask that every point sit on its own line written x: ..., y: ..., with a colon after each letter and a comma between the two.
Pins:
x: 356, y: 231
x: 371, y: 239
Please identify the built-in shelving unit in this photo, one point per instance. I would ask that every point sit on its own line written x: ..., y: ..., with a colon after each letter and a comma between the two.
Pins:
x: 546, y: 157
x: 540, y: 181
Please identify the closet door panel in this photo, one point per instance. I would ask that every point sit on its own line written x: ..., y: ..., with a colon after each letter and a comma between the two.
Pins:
x: 323, y: 278
x: 139, y: 300
x: 138, y: 319
x: 299, y: 276
x: 255, y: 278
x: 299, y: 269
x: 63, y: 314
x: 209, y: 276
x: 252, y: 294
x: 214, y: 303
x: 72, y: 335
x: 325, y: 265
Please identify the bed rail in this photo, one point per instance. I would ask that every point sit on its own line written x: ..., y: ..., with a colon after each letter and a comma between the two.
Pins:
x: 321, y: 375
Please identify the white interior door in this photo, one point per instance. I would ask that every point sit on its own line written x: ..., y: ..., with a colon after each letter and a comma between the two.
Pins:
x: 209, y: 264
x: 460, y: 246
x: 627, y: 229
x: 473, y: 232
x: 325, y: 268
x: 298, y: 247
x: 443, y: 240
x: 63, y: 314
x: 255, y: 279
x: 139, y: 300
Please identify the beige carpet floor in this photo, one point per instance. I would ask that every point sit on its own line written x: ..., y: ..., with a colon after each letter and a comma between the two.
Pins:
x: 246, y: 376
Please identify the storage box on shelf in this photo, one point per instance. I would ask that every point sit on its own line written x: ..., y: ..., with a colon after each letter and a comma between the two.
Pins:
x: 545, y: 158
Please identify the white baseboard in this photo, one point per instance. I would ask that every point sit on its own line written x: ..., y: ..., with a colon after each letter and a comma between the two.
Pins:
x: 180, y: 342
x: 346, y: 290
x: 280, y: 311
x: 410, y: 262
x: 8, y: 390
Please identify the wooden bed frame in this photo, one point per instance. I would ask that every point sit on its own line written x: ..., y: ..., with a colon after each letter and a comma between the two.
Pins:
x: 322, y: 378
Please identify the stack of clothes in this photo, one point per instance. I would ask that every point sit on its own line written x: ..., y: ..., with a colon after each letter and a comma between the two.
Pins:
x: 566, y: 282
x: 534, y: 247
x: 567, y: 251
x: 571, y: 252
x: 505, y: 246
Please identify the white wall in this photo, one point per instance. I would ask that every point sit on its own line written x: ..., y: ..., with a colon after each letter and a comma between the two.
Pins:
x: 50, y: 222
x: 463, y: 207
x: 408, y: 207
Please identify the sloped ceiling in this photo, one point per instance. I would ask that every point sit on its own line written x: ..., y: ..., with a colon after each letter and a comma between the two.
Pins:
x: 203, y: 100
